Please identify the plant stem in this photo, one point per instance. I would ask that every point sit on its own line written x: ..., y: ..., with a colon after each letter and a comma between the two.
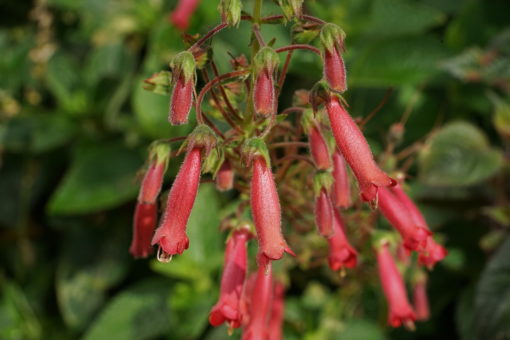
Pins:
x: 298, y: 47
x: 208, y: 35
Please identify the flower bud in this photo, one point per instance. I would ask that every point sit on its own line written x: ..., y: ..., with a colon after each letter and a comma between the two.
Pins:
x: 277, y: 311
x: 414, y: 236
x: 260, y: 305
x: 182, y: 14
x: 145, y: 220
x: 400, y: 311
x: 319, y: 148
x: 291, y: 8
x: 266, y: 211
x: 184, y: 78
x: 153, y: 178
x: 420, y: 299
x: 171, y: 234
x: 265, y: 64
x: 356, y: 151
x: 324, y: 214
x: 341, y: 253
x: 332, y: 38
x: 234, y: 272
x: 225, y: 177
x: 341, y: 192
x: 230, y: 11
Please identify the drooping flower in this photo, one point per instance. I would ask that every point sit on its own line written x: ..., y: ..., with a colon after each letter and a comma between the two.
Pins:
x: 332, y: 38
x: 414, y: 236
x: 341, y: 186
x: 266, y: 212
x: 432, y: 252
x: 276, y: 320
x: 356, y: 151
x: 341, y: 253
x: 420, y: 299
x: 227, y: 309
x: 171, y: 234
x: 145, y: 220
x: 324, y: 214
x: 260, y: 305
x: 153, y: 178
x: 400, y: 311
x: 319, y: 149
x: 265, y: 64
x: 225, y: 177
x: 182, y: 14
x: 184, y: 78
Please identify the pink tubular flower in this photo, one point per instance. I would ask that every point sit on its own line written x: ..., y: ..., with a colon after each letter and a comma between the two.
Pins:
x: 341, y: 187
x: 266, y: 211
x: 334, y: 70
x: 182, y: 99
x: 432, y: 252
x: 341, y: 253
x: 234, y: 271
x: 182, y: 14
x: 356, y: 151
x: 414, y: 236
x: 400, y: 311
x: 319, y: 149
x: 421, y: 303
x: 324, y: 214
x: 263, y: 93
x: 275, y: 323
x: 225, y: 177
x: 153, y: 178
x: 260, y: 305
x: 145, y: 220
x: 171, y: 234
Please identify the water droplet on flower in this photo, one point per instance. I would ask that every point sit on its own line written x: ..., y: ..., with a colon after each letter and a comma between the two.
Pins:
x: 163, y: 257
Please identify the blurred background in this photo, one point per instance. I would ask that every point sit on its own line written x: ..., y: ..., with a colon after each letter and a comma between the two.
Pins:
x: 75, y: 123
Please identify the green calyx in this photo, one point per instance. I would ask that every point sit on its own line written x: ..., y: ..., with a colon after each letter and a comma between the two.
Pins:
x: 266, y: 59
x: 291, y: 8
x: 307, y: 120
x: 323, y: 180
x: 201, y: 137
x: 213, y: 162
x: 231, y: 11
x: 382, y: 238
x: 160, y: 153
x: 319, y: 93
x: 332, y: 37
x: 184, y: 63
x: 255, y: 147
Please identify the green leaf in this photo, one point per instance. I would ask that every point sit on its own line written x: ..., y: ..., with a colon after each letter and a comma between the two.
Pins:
x: 412, y: 17
x: 36, y: 132
x: 492, y: 301
x: 394, y: 62
x: 458, y: 155
x: 137, y: 313
x: 100, y: 177
x: 17, y: 319
x: 89, y: 265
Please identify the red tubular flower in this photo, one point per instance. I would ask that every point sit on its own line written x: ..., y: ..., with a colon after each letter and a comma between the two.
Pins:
x: 266, y: 211
x: 400, y: 311
x: 432, y: 253
x: 341, y: 186
x: 171, y: 234
x: 182, y: 14
x: 225, y: 177
x: 356, y: 151
x: 276, y: 321
x: 319, y: 149
x: 145, y: 220
x: 234, y: 271
x: 264, y: 94
x: 334, y: 70
x: 341, y: 253
x: 153, y: 178
x: 324, y: 214
x: 414, y: 236
x: 182, y: 99
x: 260, y: 305
x: 421, y: 302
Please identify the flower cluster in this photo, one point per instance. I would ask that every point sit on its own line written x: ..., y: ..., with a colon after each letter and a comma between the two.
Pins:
x: 279, y: 161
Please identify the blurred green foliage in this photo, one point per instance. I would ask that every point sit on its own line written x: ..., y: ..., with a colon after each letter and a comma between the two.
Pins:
x: 75, y: 122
